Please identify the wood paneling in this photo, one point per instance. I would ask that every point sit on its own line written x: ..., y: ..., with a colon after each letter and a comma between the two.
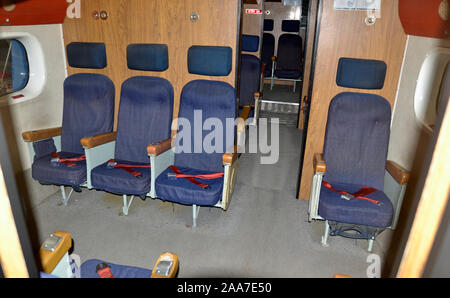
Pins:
x: 345, y: 34
x: 252, y: 24
x: 155, y: 21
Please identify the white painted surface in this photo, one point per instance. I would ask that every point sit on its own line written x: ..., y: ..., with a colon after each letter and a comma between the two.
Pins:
x: 406, y: 130
x: 45, y: 110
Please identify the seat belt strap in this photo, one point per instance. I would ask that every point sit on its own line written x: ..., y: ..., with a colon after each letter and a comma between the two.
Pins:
x: 360, y: 194
x: 70, y: 162
x: 127, y: 167
x: 192, y: 179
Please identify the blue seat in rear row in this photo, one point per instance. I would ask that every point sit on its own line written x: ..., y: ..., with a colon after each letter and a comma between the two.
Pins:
x: 250, y: 71
x: 145, y: 117
x: 88, y: 110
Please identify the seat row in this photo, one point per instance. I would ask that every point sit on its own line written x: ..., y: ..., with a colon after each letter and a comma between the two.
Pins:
x: 140, y: 159
x: 287, y: 65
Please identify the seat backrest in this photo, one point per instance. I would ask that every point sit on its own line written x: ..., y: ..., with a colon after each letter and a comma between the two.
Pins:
x: 289, y: 54
x: 206, y: 105
x: 146, y: 104
x: 250, y: 70
x: 88, y: 98
x: 356, y: 139
x: 88, y: 109
x: 250, y: 78
x: 268, y: 49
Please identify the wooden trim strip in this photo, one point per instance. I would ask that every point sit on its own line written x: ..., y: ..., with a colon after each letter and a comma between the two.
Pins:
x: 432, y: 206
x: 91, y: 142
x: 160, y: 147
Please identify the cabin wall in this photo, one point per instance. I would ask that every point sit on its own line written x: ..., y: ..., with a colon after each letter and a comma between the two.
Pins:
x: 410, y: 142
x: 45, y: 110
x: 156, y: 21
x: 345, y: 34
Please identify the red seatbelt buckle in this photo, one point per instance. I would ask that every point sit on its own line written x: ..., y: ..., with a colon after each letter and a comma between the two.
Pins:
x: 171, y: 175
x: 347, y: 197
x: 104, y: 270
x: 55, y: 160
x: 111, y: 164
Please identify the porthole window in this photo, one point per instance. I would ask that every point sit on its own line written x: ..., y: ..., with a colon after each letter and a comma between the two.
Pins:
x: 14, y: 68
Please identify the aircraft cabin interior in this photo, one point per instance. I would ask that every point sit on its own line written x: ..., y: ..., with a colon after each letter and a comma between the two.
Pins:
x: 224, y: 139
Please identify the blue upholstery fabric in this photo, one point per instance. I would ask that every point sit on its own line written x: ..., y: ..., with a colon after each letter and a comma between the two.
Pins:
x: 250, y: 43
x: 356, y: 211
x: 86, y: 55
x: 44, y: 147
x: 289, y: 57
x: 150, y: 57
x: 88, y: 109
x: 268, y: 25
x: 210, y: 60
x: 290, y: 26
x: 47, y: 172
x: 355, y: 151
x: 182, y: 191
x: 267, y: 51
x: 89, y: 270
x: 361, y: 73
x: 119, y: 181
x: 19, y: 65
x: 214, y: 99
x: 356, y: 139
x: 250, y: 78
x: 145, y: 117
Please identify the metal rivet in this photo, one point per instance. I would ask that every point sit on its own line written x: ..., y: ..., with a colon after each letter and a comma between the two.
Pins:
x: 194, y: 17
x: 95, y: 15
x: 103, y: 15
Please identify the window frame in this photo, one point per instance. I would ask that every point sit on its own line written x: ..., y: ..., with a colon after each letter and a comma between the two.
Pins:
x: 37, y: 74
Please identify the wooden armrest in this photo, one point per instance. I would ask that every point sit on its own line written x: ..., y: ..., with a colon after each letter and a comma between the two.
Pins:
x: 319, y: 163
x: 160, y: 147
x: 49, y: 259
x: 263, y: 68
x: 245, y: 113
x: 91, y: 142
x: 400, y: 174
x: 230, y: 158
x: 257, y: 95
x: 274, y: 58
x: 42, y: 134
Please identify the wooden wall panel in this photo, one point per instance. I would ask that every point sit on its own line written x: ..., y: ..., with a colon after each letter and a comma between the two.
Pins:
x: 252, y: 24
x: 345, y: 34
x: 155, y: 21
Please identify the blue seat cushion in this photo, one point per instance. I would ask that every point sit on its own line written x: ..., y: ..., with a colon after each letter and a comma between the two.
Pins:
x: 180, y: 190
x: 89, y: 270
x: 119, y: 181
x: 288, y: 74
x: 356, y: 211
x: 47, y: 172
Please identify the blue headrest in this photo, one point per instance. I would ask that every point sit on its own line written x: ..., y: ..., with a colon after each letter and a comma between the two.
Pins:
x: 151, y: 57
x: 145, y: 116
x: 290, y: 26
x: 361, y: 73
x: 250, y: 43
x: 88, y: 109
x: 357, y: 139
x: 86, y: 55
x: 209, y: 60
x: 268, y: 25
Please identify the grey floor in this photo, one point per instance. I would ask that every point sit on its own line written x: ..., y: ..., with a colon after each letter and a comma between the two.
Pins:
x: 264, y: 233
